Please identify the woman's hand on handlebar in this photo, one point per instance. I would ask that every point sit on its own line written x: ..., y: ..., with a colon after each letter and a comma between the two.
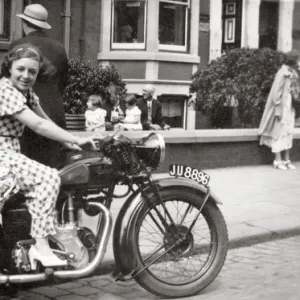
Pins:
x: 80, y: 141
x: 72, y: 146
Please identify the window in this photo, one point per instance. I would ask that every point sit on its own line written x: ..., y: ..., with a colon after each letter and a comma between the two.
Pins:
x: 4, y: 19
x: 172, y: 107
x: 128, y: 30
x: 173, y: 23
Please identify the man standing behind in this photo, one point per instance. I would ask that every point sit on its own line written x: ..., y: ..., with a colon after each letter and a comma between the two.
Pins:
x: 34, y: 22
x: 151, y: 117
x: 114, y: 106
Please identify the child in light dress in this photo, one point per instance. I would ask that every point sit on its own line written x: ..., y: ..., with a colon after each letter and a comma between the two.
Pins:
x: 95, y: 114
x: 132, y: 120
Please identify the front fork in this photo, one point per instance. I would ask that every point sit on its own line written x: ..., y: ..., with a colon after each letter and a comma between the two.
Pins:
x: 150, y: 191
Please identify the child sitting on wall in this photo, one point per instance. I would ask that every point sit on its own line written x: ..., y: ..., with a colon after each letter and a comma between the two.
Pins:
x: 95, y: 114
x: 132, y: 120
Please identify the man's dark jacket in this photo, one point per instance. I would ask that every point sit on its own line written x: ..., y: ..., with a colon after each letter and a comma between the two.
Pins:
x: 109, y: 108
x: 157, y: 117
x: 50, y: 92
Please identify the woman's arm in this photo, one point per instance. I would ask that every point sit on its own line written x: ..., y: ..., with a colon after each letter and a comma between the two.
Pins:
x: 47, y: 128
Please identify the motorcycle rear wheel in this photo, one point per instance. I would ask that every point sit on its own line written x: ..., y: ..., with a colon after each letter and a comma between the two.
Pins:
x: 192, y: 265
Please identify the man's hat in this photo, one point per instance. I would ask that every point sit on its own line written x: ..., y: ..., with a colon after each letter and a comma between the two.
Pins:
x: 36, y: 14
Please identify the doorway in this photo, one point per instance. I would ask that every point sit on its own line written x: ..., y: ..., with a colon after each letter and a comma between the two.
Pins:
x: 232, y: 24
x: 268, y: 24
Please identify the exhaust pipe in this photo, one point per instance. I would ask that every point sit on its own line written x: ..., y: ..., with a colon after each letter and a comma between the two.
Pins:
x: 22, y: 278
x: 26, y: 278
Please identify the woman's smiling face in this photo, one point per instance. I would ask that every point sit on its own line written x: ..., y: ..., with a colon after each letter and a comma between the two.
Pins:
x: 23, y: 73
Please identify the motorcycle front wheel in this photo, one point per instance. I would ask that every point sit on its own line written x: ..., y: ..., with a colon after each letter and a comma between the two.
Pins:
x: 190, y: 265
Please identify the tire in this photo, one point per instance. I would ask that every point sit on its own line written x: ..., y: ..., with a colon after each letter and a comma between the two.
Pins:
x: 185, y: 257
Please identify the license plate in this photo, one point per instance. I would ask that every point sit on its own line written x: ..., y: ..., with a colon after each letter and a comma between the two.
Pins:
x: 189, y: 173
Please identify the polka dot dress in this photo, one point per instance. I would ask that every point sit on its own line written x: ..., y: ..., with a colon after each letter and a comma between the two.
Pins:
x: 40, y: 184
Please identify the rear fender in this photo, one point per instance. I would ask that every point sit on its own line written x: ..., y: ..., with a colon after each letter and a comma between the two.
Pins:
x: 125, y: 221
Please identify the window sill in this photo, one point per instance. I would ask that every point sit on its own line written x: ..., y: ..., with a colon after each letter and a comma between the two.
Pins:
x: 148, y: 56
x: 173, y: 48
x: 128, y: 46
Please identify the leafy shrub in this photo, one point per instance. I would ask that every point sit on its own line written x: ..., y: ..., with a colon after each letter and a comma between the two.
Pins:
x: 85, y: 80
x: 246, y: 74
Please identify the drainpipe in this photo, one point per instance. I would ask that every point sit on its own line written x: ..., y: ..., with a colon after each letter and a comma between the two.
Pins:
x: 67, y: 25
x: 82, y: 29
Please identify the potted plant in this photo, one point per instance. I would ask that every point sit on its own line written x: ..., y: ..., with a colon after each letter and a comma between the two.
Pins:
x: 85, y: 80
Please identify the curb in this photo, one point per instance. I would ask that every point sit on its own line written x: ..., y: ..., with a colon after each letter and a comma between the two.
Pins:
x: 108, y: 266
x: 260, y: 238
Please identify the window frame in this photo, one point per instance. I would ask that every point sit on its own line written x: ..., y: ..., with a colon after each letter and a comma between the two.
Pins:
x: 128, y: 46
x: 6, y: 21
x: 177, y: 48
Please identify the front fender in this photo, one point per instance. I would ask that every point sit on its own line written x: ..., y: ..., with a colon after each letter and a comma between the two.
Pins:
x: 183, y: 183
x: 125, y: 219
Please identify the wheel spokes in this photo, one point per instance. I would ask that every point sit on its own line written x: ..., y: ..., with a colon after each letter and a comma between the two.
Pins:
x: 186, y: 260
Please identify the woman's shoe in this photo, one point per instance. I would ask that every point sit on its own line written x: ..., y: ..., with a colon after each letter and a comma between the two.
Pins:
x: 278, y: 164
x: 289, y: 165
x: 46, y: 261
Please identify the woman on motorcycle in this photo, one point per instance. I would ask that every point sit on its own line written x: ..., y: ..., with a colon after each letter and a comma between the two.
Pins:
x: 19, y: 107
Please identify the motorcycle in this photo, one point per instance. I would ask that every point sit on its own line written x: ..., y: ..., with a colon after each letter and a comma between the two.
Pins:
x: 169, y: 236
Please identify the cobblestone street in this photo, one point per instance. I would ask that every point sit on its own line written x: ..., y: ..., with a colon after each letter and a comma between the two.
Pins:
x: 268, y: 271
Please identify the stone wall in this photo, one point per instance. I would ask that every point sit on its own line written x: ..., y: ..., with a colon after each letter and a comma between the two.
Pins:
x: 220, y: 155
x: 207, y: 149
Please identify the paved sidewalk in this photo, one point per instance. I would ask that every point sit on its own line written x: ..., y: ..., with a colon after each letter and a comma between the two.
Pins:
x: 259, y: 203
x: 268, y: 271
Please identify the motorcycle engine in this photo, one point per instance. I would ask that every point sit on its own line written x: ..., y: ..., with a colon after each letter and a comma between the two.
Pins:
x: 67, y: 240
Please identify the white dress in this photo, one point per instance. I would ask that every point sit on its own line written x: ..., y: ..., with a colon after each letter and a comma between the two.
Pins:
x: 131, y: 114
x: 285, y: 139
x: 95, y: 119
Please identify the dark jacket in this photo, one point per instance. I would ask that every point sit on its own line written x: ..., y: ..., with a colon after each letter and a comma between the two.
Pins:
x: 109, y: 107
x: 157, y: 117
x: 50, y: 92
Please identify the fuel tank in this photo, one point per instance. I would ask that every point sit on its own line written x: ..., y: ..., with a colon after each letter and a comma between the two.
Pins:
x: 83, y: 170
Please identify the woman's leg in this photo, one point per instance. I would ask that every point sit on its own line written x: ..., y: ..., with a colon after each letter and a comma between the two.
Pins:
x: 40, y: 185
x: 286, y: 155
x: 41, y: 201
x: 277, y: 156
x: 278, y: 163
x: 287, y: 160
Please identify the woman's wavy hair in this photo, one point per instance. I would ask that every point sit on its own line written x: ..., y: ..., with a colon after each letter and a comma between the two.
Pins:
x: 28, y: 50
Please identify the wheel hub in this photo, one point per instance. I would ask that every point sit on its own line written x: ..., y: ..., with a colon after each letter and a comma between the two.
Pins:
x: 173, y: 235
